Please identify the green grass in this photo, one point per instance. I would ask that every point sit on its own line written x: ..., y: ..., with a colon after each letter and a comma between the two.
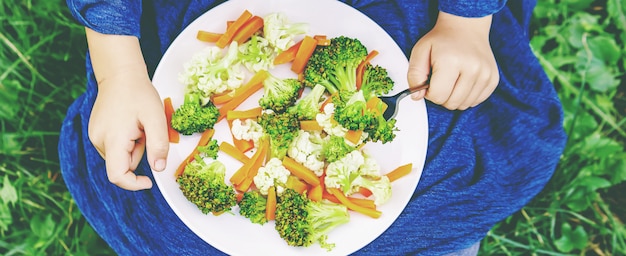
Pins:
x: 581, y: 211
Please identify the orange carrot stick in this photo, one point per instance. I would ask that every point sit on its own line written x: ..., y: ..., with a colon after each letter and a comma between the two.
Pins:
x: 365, y: 192
x: 254, y: 168
x: 244, y: 114
x: 240, y: 175
x: 222, y: 99
x: 354, y: 136
x: 270, y: 205
x: 353, y: 206
x: 296, y: 184
x: 367, y: 203
x: 174, y: 136
x: 287, y: 55
x: 310, y: 125
x: 246, y: 31
x: 206, y: 36
x: 304, y: 53
x: 241, y: 94
x: 301, y: 171
x: 400, y: 172
x: 232, y: 151
x: 360, y: 70
x: 315, y: 193
x: 227, y: 37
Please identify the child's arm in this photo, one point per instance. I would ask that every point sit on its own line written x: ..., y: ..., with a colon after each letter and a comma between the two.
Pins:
x: 127, y: 117
x: 458, y: 53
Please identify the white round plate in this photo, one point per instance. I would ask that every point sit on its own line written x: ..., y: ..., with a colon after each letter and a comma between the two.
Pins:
x: 236, y: 235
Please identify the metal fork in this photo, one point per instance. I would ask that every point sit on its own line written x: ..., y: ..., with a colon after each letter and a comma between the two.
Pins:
x: 393, y: 100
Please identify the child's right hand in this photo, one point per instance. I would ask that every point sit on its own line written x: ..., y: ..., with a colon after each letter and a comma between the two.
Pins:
x: 127, y: 117
x: 457, y: 56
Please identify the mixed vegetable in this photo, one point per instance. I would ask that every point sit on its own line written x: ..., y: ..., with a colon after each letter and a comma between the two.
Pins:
x: 303, y: 162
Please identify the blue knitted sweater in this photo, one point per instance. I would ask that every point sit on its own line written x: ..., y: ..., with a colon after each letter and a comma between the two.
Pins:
x: 482, y: 164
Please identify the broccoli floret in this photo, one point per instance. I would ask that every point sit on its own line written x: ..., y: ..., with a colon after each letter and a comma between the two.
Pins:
x: 256, y: 54
x: 336, y: 148
x: 309, y: 106
x: 279, y: 94
x: 210, y: 72
x: 192, y: 116
x: 376, y: 81
x: 210, y: 150
x: 353, y: 114
x: 252, y: 206
x: 334, y: 66
x: 281, y: 128
x: 203, y: 184
x: 280, y: 32
x: 384, y: 131
x: 302, y: 222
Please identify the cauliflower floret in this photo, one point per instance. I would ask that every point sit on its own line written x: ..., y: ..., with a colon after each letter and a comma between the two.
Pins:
x: 272, y: 174
x: 247, y: 130
x: 257, y: 54
x: 306, y: 149
x: 210, y: 72
x: 380, y: 188
x: 280, y: 32
x: 341, y: 173
x: 370, y: 167
x: 325, y: 119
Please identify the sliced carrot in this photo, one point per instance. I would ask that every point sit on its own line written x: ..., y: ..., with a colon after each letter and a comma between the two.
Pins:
x: 241, y: 94
x: 365, y: 192
x: 354, y: 136
x: 353, y: 206
x: 322, y: 40
x: 304, y: 53
x: 301, y: 171
x: 315, y: 193
x: 400, y: 172
x: 367, y: 203
x: 270, y: 205
x: 239, y: 196
x: 248, y: 29
x: 206, y: 36
x: 244, y: 114
x: 231, y: 150
x: 360, y: 70
x: 173, y: 135
x: 287, y: 55
x: 227, y: 37
x: 320, y: 37
x: 254, y: 168
x: 240, y: 175
x: 222, y: 99
x: 310, y: 125
x: 296, y: 184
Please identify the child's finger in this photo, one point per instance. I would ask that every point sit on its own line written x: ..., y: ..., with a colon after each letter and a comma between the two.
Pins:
x: 157, y: 142
x: 419, y: 65
x: 118, y: 161
x: 462, y: 89
x: 442, y: 83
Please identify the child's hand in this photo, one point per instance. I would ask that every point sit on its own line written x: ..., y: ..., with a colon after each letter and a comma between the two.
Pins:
x: 458, y: 53
x: 127, y: 117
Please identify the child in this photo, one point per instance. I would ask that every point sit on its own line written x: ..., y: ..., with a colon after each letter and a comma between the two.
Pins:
x: 483, y: 163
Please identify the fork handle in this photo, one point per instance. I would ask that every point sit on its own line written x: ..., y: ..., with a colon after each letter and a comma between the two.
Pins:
x: 411, y: 90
